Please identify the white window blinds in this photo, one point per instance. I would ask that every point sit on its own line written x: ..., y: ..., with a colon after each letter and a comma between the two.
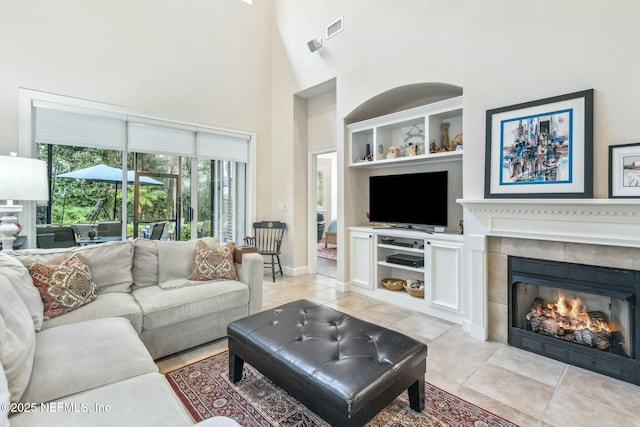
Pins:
x: 222, y: 146
x: 57, y: 124
x: 152, y: 138
x: 92, y: 128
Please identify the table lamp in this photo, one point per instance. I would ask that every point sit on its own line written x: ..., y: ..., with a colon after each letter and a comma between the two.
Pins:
x: 21, y: 178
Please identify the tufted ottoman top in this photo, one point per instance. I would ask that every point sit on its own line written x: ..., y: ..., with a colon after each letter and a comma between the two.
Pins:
x: 341, y: 358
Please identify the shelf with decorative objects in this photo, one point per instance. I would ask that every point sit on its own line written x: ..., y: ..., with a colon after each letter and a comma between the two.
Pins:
x: 429, y: 133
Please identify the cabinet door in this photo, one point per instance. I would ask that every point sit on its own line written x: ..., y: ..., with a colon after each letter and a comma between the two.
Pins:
x: 361, y: 259
x: 444, y: 274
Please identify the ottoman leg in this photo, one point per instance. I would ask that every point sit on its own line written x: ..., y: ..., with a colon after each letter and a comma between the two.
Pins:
x: 235, y: 367
x: 416, y: 395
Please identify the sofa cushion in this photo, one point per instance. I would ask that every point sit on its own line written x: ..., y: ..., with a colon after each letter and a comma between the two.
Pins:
x: 175, y: 258
x: 17, y: 339
x: 73, y: 358
x: 63, y: 287
x: 162, y: 308
x: 145, y: 263
x: 110, y: 262
x: 111, y: 304
x: 213, y: 264
x: 20, y: 278
x: 144, y: 400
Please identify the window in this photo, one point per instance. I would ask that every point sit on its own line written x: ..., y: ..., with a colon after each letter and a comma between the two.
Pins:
x: 220, y: 209
x: 321, y: 196
x: 158, y: 155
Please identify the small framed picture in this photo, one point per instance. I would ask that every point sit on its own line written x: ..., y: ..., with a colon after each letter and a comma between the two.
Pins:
x: 624, y: 171
x: 541, y: 149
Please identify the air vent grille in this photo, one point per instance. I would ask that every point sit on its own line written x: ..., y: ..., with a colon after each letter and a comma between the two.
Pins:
x: 335, y: 27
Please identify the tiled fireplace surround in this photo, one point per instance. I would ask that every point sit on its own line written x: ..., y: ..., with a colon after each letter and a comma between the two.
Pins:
x: 601, y: 232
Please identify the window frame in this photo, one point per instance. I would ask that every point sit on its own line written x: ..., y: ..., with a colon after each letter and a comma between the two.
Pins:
x: 27, y: 147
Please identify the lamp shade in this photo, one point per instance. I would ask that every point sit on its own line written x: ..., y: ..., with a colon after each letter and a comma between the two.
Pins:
x: 23, y: 178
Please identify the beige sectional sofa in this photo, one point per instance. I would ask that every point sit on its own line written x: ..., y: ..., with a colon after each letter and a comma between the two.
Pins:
x: 95, y: 365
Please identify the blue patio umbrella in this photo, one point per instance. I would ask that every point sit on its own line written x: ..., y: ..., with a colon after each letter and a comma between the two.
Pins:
x: 104, y: 173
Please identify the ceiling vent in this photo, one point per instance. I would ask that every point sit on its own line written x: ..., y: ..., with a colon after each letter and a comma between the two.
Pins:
x: 334, y: 28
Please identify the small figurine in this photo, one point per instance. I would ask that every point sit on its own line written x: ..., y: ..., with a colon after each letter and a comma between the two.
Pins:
x: 393, y: 153
x: 411, y: 149
x: 432, y: 147
x: 457, y: 142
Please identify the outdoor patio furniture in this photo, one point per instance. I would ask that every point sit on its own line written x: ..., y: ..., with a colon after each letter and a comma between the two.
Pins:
x: 55, y: 237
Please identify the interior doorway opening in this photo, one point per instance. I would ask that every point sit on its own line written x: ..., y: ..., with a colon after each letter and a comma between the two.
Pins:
x: 325, y: 242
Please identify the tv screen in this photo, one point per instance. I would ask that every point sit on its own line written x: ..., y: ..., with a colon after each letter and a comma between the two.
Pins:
x: 418, y: 198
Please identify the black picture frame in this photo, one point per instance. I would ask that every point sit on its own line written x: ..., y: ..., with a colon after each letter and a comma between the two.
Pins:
x: 541, y: 149
x: 624, y: 182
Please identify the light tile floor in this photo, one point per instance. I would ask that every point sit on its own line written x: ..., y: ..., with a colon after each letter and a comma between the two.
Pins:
x: 525, y: 388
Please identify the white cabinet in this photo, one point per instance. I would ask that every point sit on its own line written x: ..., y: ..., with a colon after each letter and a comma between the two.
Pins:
x: 361, y: 259
x: 437, y: 262
x: 408, y: 134
x: 444, y: 275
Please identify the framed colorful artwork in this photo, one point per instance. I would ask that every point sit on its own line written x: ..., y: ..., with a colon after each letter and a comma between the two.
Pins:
x: 541, y: 149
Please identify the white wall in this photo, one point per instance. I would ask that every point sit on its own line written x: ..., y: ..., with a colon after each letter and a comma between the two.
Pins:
x: 201, y: 61
x: 501, y: 52
x: 229, y: 64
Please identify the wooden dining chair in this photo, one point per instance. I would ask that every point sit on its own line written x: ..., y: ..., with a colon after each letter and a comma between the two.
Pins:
x: 267, y: 237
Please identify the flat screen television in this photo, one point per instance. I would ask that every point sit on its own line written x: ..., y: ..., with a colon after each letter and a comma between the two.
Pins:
x: 407, y: 199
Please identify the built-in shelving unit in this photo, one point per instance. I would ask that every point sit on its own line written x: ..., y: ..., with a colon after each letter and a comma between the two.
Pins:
x: 407, y: 135
x: 441, y: 254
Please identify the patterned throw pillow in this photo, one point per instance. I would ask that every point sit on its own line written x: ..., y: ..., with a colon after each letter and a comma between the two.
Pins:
x: 63, y: 287
x: 209, y: 264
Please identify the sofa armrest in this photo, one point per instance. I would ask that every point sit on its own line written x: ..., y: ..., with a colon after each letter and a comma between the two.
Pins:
x: 251, y: 272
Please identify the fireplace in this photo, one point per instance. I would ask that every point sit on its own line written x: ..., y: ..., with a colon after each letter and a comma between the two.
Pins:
x: 583, y: 315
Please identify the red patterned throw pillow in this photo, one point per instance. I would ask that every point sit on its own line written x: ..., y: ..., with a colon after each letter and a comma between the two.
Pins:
x: 63, y: 287
x: 209, y: 264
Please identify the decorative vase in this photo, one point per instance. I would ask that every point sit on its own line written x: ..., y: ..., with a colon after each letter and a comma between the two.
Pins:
x: 445, y: 136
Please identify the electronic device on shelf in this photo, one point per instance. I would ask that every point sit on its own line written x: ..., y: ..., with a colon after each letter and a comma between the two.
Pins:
x: 403, y: 244
x: 405, y: 259
x: 392, y: 200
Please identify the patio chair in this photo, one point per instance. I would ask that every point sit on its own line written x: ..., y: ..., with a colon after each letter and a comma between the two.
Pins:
x: 110, y: 228
x: 267, y: 237
x: 48, y: 237
x: 160, y: 231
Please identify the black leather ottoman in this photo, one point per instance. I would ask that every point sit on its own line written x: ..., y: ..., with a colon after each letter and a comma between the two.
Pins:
x: 344, y: 369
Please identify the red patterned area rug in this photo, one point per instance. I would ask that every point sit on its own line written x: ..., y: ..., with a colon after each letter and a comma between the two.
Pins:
x: 330, y: 252
x: 206, y: 391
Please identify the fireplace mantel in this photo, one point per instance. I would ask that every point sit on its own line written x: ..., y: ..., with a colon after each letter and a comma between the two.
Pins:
x: 614, y: 222
x: 605, y: 222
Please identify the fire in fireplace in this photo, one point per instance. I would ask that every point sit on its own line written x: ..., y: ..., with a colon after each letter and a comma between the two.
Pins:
x: 579, y: 314
x: 574, y: 323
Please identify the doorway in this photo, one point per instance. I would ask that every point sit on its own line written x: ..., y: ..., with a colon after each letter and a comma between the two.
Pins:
x: 161, y: 203
x: 325, y: 194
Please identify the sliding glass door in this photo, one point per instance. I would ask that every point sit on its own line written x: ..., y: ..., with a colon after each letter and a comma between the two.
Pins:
x: 111, y: 165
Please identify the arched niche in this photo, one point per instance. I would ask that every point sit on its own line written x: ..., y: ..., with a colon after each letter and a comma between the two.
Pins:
x: 402, y: 98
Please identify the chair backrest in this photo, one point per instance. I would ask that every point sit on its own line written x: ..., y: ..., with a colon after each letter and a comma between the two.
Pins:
x: 268, y: 235
x: 55, y: 237
x: 109, y: 228
x: 159, y: 230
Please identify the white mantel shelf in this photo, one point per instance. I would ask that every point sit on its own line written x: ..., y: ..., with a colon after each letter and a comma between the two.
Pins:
x: 614, y: 222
